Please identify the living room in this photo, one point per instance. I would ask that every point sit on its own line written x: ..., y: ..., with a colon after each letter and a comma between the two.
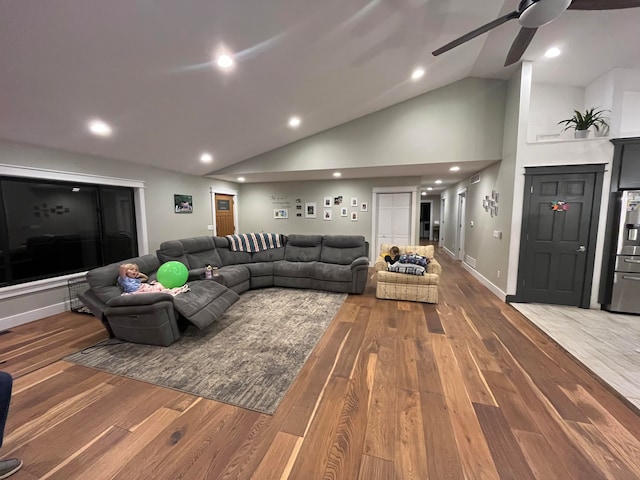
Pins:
x: 490, y: 125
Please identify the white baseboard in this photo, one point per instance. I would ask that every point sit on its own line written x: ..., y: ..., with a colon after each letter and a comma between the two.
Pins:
x: 483, y: 280
x: 32, y: 315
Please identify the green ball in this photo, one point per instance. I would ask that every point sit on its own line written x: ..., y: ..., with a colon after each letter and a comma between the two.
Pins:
x: 172, y: 274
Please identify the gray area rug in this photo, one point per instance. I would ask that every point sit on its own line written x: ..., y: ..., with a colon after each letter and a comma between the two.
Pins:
x: 249, y: 358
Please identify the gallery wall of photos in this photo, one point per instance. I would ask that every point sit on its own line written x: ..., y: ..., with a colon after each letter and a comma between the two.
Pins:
x: 331, y: 208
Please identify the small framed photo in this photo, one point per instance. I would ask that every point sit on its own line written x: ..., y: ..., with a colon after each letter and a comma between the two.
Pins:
x: 182, y: 203
x: 354, y: 216
x: 327, y: 215
x: 344, y: 212
x: 364, y: 206
x: 354, y: 202
x: 337, y: 200
x: 281, y: 213
x: 327, y: 201
x: 310, y: 210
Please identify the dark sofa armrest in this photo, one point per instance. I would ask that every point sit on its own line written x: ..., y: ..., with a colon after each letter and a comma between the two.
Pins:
x: 360, y: 262
x: 140, y: 299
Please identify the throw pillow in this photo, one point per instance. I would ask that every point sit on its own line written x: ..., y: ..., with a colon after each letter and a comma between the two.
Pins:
x: 408, y: 268
x: 414, y: 259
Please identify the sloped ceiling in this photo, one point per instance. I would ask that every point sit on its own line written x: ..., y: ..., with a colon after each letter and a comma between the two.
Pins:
x: 147, y: 68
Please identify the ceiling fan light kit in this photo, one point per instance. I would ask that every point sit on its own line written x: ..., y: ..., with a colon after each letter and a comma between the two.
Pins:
x: 531, y: 15
x: 534, y: 14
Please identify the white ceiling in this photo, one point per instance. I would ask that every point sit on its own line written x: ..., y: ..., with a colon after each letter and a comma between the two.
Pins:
x: 146, y: 67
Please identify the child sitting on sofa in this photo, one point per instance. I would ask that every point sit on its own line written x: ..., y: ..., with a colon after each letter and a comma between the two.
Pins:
x: 132, y: 281
x: 394, y: 255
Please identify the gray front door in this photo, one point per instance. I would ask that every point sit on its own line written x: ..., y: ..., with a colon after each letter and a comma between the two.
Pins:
x: 558, y: 237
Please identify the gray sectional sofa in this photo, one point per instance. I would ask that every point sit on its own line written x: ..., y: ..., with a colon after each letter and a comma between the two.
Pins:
x: 336, y: 263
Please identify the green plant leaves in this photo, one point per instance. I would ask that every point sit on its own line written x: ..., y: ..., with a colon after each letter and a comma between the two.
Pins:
x: 583, y: 121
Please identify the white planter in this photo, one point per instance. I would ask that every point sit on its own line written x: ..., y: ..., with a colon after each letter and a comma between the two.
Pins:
x: 581, y: 134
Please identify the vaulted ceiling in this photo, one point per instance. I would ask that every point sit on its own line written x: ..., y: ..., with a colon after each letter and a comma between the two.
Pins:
x: 148, y: 68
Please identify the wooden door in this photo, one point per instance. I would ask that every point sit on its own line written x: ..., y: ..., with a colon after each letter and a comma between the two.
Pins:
x: 224, y: 215
x: 558, y: 237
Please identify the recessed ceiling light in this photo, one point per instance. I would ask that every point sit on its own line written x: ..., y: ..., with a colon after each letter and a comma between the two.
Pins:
x: 294, y: 122
x: 100, y: 128
x: 454, y: 169
x: 417, y: 74
x: 337, y: 174
x: 225, y: 61
x: 241, y: 179
x: 438, y: 182
x: 429, y: 188
x: 206, y: 158
x: 423, y: 193
x: 552, y: 52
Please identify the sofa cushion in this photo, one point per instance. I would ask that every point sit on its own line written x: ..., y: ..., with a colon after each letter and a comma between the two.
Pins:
x: 284, y: 268
x: 270, y: 255
x: 227, y: 256
x: 172, y: 250
x: 303, y: 248
x: 332, y: 272
x: 342, y: 249
x: 408, y: 268
x: 202, y: 259
x: 233, y: 275
x: 205, y: 302
x: 260, y: 269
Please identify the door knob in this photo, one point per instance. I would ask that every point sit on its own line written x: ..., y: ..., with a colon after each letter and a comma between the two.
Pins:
x: 581, y: 249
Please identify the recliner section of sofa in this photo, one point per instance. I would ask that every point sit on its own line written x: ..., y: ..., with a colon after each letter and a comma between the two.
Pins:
x: 151, y: 318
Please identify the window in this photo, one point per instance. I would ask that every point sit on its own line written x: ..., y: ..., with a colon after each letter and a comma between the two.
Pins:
x: 53, y: 228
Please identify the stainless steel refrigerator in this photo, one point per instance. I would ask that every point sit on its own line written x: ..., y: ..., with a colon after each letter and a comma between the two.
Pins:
x: 625, y: 294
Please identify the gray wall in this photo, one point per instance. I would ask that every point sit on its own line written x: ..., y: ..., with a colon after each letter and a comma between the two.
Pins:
x: 258, y: 201
x: 456, y: 123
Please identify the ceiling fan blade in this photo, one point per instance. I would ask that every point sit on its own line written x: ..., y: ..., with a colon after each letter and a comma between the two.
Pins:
x: 603, y: 4
x: 519, y: 45
x: 474, y: 33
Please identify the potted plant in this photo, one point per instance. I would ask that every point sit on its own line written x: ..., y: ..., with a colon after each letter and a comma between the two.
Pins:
x: 581, y: 122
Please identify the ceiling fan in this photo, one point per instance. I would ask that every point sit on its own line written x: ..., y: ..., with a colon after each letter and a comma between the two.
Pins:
x: 532, y: 14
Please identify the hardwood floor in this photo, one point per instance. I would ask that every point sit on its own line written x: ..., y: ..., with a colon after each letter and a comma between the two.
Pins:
x: 606, y: 343
x: 465, y: 389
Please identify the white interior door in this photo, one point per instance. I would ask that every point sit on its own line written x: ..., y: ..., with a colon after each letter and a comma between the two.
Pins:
x: 394, y: 219
x: 462, y: 212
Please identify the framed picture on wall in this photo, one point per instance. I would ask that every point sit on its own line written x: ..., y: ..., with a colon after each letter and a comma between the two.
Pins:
x: 327, y: 201
x: 364, y: 206
x: 327, y: 215
x: 310, y: 210
x: 281, y: 213
x: 354, y: 202
x: 344, y: 212
x: 183, y: 203
x: 354, y: 216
